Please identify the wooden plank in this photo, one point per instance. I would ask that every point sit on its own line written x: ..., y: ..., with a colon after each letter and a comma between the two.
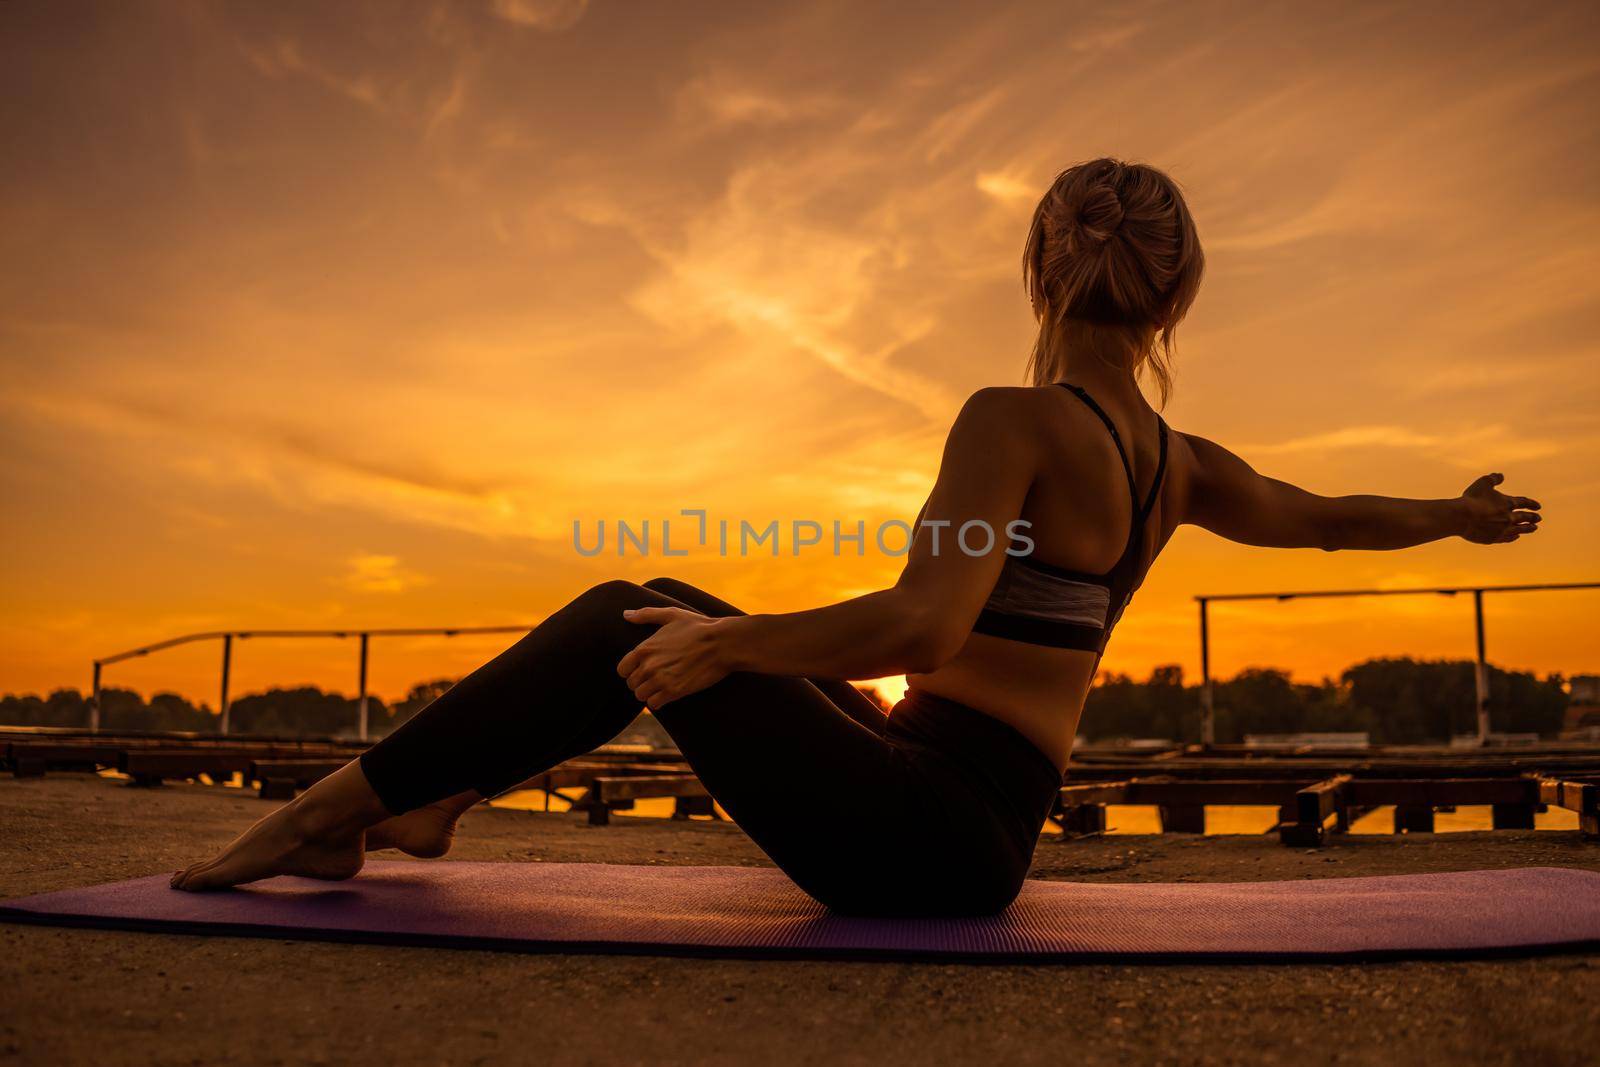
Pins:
x: 607, y: 794
x: 1581, y: 797
x: 149, y: 768
x: 609, y: 790
x: 1442, y: 792
x: 1182, y: 818
x: 1512, y: 816
x: 303, y: 771
x: 69, y: 754
x: 1413, y: 819
x: 277, y: 788
x: 687, y: 807
x: 580, y: 773
x: 1317, y: 769
x: 1082, y: 820
x: 1312, y: 806
x: 1093, y: 793
x: 1315, y: 803
x: 1177, y: 792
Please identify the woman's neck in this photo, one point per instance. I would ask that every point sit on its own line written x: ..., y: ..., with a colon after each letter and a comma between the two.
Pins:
x: 1097, y: 358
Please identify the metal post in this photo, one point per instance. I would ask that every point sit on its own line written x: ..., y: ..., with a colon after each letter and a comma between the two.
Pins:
x: 94, y: 702
x: 227, y: 662
x: 1482, y: 672
x: 362, y: 714
x: 1208, y: 711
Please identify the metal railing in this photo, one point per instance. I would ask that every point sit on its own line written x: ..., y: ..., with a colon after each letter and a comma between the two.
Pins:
x: 1208, y: 725
x: 227, y: 638
x: 1207, y: 700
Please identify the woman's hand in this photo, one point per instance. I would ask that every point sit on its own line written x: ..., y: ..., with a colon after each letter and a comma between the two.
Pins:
x: 1493, y: 518
x: 684, y: 656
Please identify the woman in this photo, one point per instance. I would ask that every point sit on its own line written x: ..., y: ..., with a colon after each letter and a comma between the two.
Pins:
x: 936, y: 807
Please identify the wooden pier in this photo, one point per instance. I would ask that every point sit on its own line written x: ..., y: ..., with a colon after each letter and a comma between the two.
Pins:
x: 1318, y: 793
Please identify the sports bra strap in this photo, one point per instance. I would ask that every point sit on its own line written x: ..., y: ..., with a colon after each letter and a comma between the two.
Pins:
x: 1161, y: 470
x: 1116, y: 438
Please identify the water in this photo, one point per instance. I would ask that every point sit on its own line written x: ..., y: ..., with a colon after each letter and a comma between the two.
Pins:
x: 1221, y: 819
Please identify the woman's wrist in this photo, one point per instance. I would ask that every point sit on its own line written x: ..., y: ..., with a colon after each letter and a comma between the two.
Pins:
x: 731, y: 634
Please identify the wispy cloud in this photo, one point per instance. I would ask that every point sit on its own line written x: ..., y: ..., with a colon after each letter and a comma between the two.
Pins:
x: 726, y: 100
x: 548, y: 15
x: 1469, y: 447
x: 374, y: 573
x: 312, y: 283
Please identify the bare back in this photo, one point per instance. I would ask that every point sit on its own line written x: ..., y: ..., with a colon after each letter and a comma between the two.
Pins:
x: 1080, y: 514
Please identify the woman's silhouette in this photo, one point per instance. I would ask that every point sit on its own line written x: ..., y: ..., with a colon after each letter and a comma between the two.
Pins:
x: 936, y: 807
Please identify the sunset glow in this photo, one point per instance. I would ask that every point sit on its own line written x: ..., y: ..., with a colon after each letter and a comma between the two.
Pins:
x: 339, y: 316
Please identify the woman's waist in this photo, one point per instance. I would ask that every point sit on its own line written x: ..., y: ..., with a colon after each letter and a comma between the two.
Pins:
x: 980, y: 747
x: 1041, y: 702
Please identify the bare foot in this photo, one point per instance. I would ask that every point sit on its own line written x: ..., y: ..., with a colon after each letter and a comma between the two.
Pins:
x: 281, y: 843
x: 425, y: 833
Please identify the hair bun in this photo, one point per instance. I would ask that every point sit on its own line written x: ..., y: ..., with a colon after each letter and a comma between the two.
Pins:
x: 1099, y: 215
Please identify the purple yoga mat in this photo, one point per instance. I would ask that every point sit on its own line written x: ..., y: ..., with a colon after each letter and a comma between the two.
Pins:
x: 743, y: 911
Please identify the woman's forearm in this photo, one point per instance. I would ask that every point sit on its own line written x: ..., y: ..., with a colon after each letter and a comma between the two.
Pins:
x: 869, y: 636
x: 1383, y: 522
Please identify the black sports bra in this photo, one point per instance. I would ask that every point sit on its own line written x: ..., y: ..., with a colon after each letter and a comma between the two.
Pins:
x: 1040, y: 604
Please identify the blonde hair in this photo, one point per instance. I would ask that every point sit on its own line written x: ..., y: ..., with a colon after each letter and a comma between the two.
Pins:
x: 1112, y: 263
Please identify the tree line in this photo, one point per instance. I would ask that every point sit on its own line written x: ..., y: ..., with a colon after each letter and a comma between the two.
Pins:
x: 304, y: 711
x: 1395, y: 701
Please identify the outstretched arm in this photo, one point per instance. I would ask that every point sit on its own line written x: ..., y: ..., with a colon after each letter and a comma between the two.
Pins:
x: 1226, y: 496
x: 988, y: 467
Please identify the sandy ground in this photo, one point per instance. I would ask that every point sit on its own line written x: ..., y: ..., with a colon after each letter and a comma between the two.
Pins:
x: 79, y: 996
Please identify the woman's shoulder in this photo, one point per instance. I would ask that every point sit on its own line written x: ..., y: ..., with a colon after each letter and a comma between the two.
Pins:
x: 1013, y: 402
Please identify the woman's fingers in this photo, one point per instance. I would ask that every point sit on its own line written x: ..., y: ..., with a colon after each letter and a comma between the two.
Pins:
x: 1525, y: 502
x: 1526, y: 516
x: 651, y: 687
x: 635, y: 659
x: 629, y: 663
x: 652, y: 616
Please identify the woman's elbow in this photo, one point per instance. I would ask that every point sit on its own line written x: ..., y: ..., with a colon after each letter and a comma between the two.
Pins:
x: 930, y: 645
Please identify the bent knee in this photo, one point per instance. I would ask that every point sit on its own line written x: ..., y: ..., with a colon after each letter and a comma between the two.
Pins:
x: 615, y: 589
x: 678, y: 589
x: 613, y: 597
x: 661, y: 585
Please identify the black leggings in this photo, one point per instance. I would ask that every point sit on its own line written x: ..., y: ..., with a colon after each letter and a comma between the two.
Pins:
x: 933, y: 810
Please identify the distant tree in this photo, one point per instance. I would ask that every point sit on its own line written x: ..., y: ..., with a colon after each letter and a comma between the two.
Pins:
x: 1520, y: 702
x: 122, y: 709
x: 24, y: 711
x: 1415, y: 701
x: 169, y: 711
x: 1261, y: 700
x: 1173, y: 709
x: 302, y: 712
x: 67, y: 707
x: 1162, y: 707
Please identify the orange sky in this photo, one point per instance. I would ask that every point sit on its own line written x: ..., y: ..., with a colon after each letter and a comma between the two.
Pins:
x: 338, y: 315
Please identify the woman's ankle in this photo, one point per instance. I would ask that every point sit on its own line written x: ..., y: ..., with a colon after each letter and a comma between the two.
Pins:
x: 339, y: 805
